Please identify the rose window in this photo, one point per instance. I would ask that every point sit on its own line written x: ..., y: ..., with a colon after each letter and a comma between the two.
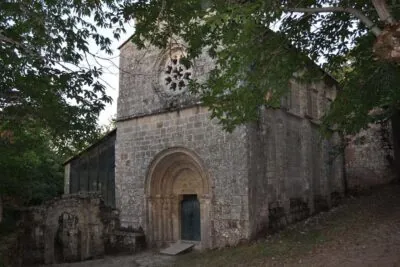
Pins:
x: 176, y: 75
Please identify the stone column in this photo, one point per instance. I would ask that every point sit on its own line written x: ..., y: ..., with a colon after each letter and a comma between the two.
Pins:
x: 205, y: 231
x: 175, y: 202
x: 324, y: 182
x: 1, y: 210
x: 158, y: 216
x: 168, y: 230
x: 67, y: 169
x: 306, y: 163
x: 281, y: 158
x: 150, y: 222
x: 165, y: 219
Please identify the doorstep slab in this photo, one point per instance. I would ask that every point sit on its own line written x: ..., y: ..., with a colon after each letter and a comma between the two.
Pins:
x: 177, y: 248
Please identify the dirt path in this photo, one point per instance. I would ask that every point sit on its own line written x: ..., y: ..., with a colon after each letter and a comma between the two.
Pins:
x: 144, y: 259
x: 364, y: 231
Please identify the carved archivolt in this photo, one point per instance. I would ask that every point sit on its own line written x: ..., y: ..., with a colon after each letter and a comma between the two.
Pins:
x: 177, y: 173
x: 174, y: 173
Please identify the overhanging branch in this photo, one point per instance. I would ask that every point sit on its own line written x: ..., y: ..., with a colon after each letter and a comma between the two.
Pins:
x: 383, y: 11
x: 5, y: 39
x: 358, y: 14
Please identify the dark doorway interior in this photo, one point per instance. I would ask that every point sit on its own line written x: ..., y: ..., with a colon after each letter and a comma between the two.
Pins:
x: 190, y: 218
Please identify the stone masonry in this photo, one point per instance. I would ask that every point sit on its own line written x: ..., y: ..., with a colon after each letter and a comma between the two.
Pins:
x: 256, y: 179
x: 72, y: 228
x: 369, y: 157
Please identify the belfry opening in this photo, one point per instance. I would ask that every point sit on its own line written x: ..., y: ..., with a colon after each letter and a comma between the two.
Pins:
x: 178, y: 199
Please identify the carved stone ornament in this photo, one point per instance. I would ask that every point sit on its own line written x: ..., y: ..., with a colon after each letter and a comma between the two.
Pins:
x: 173, y: 78
x: 175, y: 75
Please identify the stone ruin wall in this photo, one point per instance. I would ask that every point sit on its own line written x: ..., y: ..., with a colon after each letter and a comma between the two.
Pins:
x: 73, y: 228
x: 369, y: 157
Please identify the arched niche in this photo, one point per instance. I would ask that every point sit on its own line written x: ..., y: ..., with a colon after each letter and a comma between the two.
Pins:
x: 174, y: 174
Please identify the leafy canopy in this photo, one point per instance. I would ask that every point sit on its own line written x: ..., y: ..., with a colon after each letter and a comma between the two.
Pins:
x: 252, y: 62
x: 43, y: 45
x: 31, y: 168
x: 50, y: 96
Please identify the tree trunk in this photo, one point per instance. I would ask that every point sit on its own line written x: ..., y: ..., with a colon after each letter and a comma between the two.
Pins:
x: 395, y: 120
x: 383, y: 11
x: 387, y: 45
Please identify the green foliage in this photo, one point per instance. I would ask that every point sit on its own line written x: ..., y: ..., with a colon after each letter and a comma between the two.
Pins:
x: 254, y: 65
x: 31, y: 167
x: 369, y: 87
x: 42, y: 46
x: 250, y: 60
x: 49, y: 99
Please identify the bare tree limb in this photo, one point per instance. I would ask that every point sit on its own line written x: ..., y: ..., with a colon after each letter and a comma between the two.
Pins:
x: 358, y: 14
x: 383, y: 11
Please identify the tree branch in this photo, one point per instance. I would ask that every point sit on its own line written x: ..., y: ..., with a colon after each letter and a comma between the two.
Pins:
x: 5, y: 39
x: 370, y: 25
x: 383, y: 11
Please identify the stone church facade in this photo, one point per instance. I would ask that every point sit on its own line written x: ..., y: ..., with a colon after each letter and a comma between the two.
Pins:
x: 179, y: 176
x: 170, y: 173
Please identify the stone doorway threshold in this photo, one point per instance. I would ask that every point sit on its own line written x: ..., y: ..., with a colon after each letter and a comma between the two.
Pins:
x: 179, y: 247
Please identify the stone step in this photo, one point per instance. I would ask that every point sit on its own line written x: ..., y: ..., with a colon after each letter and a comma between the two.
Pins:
x: 177, y: 248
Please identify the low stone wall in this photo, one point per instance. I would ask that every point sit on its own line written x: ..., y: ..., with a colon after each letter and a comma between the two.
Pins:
x: 299, y: 209
x: 125, y: 241
x: 369, y: 157
x: 73, y: 228
x: 10, y: 251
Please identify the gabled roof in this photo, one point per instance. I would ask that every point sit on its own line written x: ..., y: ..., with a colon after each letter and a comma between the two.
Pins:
x: 106, y: 136
x: 125, y: 42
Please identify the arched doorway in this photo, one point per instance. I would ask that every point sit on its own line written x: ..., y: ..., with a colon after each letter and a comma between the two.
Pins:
x: 178, y: 199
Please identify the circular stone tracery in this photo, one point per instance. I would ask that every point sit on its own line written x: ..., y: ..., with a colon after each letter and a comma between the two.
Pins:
x: 176, y: 75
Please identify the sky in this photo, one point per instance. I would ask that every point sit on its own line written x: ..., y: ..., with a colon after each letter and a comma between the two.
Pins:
x: 111, y: 71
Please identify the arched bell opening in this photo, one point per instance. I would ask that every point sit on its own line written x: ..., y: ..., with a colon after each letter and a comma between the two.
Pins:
x: 178, y: 199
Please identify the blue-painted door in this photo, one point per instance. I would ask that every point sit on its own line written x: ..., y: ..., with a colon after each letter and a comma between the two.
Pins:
x: 190, y: 218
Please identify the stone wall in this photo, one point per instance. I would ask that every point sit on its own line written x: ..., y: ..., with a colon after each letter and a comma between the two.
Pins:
x: 262, y: 175
x: 293, y: 172
x: 223, y: 155
x: 369, y: 157
x: 141, y: 90
x: 71, y: 228
x: 156, y: 113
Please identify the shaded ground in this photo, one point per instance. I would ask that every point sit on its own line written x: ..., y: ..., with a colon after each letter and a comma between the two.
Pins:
x: 8, y: 238
x: 144, y: 259
x: 364, y: 231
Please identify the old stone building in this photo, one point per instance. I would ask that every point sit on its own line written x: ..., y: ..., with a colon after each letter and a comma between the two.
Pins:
x: 170, y: 173
x: 179, y: 176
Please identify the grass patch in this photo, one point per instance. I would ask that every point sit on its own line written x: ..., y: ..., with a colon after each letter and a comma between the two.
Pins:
x: 288, y: 243
x: 345, y: 224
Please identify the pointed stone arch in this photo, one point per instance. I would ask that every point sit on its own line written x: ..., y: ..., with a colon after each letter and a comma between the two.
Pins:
x: 174, y: 173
